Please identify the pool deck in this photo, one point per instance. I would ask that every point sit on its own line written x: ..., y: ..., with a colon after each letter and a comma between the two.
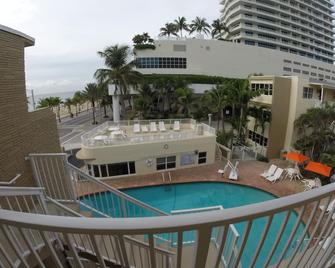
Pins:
x: 249, y: 175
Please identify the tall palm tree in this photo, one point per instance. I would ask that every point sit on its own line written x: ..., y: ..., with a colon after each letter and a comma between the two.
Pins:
x: 168, y: 30
x: 119, y: 70
x: 200, y: 26
x: 144, y: 101
x: 181, y: 25
x: 104, y: 97
x: 218, y: 29
x: 185, y: 101
x: 55, y: 102
x: 78, y: 99
x: 91, y: 93
x: 218, y: 99
x: 68, y: 103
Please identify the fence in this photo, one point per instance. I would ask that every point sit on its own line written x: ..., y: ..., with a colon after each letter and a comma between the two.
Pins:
x: 105, y: 241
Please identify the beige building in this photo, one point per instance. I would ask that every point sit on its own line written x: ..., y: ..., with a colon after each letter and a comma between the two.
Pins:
x: 284, y: 98
x: 22, y: 132
x: 143, y: 147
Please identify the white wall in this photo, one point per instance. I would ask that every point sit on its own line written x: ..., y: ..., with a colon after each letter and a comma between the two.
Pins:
x: 227, y: 59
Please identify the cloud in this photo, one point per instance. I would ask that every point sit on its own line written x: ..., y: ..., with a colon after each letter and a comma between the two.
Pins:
x: 69, y: 33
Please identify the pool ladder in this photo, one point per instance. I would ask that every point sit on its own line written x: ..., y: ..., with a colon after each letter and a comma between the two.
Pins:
x: 169, y: 178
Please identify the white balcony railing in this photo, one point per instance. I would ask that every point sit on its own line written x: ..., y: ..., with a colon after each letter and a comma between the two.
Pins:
x: 304, y: 238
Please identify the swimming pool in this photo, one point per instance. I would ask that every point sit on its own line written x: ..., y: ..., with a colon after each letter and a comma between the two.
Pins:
x: 208, y: 194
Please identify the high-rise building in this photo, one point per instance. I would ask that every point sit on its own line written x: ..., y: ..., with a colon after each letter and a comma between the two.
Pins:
x: 301, y: 27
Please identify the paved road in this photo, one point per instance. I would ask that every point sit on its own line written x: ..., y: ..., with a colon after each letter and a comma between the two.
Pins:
x: 71, y: 129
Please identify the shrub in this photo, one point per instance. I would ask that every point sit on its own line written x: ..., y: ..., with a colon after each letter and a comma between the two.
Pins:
x: 262, y: 158
x: 144, y: 46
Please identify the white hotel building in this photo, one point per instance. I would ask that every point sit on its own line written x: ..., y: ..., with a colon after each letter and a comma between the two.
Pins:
x: 288, y: 41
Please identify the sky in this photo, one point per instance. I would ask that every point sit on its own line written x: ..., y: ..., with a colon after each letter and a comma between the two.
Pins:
x: 69, y: 33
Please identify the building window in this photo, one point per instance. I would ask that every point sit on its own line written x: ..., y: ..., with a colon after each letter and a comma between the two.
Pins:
x: 267, y: 89
x: 307, y: 93
x: 165, y: 162
x: 161, y: 63
x: 250, y: 43
x: 89, y: 168
x: 96, y: 171
x: 202, y: 157
x: 187, y: 159
x: 103, y: 169
x: 123, y: 168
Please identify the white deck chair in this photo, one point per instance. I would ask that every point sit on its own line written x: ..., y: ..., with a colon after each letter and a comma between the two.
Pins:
x: 176, y: 125
x: 278, y: 173
x: 329, y: 208
x: 161, y: 126
x: 137, y: 128
x: 233, y: 175
x: 153, y: 127
x: 144, y: 129
x: 269, y: 172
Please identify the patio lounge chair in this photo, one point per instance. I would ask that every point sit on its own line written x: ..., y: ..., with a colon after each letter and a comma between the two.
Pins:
x: 329, y: 208
x: 278, y: 173
x: 153, y: 127
x: 137, y: 128
x: 311, y: 184
x: 145, y: 129
x: 269, y: 172
x: 233, y: 175
x: 176, y: 126
x: 161, y: 126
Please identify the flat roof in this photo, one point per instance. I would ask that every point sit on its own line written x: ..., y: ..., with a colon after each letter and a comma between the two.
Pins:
x: 30, y: 41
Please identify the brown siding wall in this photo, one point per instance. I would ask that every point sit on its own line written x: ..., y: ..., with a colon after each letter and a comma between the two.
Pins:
x: 21, y: 132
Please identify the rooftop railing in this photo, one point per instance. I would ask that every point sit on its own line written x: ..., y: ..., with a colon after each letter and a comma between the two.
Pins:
x: 188, y: 131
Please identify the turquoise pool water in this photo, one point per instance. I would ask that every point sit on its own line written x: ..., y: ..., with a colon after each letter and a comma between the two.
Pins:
x: 208, y: 194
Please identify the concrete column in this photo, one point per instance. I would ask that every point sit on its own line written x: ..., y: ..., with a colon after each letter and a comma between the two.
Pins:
x: 116, y: 108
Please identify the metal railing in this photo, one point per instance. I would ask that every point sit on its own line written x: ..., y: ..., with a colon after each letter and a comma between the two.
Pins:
x: 88, y: 139
x: 106, y: 199
x: 64, y: 182
x: 106, y: 239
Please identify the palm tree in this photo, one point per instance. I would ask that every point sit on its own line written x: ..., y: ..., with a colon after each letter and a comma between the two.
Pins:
x: 144, y: 101
x: 68, y: 103
x: 181, y: 25
x: 78, y: 99
x: 185, y: 101
x: 218, y: 28
x: 315, y: 134
x: 119, y: 71
x: 218, y: 99
x: 168, y: 30
x: 43, y: 103
x: 104, y: 97
x: 91, y: 93
x: 200, y: 26
x: 239, y: 95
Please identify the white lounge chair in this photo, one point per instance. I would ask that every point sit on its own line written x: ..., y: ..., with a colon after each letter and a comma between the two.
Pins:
x: 278, y: 173
x: 176, y: 125
x: 329, y: 208
x: 269, y: 172
x: 233, y: 175
x: 144, y: 129
x: 311, y: 184
x: 161, y: 126
x: 137, y: 128
x: 153, y: 127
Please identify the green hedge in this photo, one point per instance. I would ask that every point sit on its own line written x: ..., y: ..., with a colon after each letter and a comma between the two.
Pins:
x: 144, y: 46
x: 188, y: 78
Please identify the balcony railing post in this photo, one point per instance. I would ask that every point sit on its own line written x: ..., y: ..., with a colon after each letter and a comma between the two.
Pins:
x: 202, y: 246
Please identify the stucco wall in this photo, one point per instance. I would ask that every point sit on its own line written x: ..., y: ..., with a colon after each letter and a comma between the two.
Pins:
x: 21, y: 132
x: 141, y: 152
x: 227, y: 59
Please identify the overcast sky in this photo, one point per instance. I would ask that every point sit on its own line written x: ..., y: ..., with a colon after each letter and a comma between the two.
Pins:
x: 68, y: 33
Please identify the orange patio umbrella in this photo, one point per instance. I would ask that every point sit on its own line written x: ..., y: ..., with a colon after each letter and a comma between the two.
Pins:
x: 319, y: 168
x: 297, y: 157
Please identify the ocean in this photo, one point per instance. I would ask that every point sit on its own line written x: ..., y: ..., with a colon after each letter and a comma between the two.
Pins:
x: 62, y: 95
